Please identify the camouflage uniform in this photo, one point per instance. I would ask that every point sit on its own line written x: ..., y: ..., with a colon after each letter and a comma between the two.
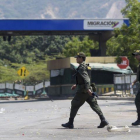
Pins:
x: 83, y: 85
x: 137, y: 99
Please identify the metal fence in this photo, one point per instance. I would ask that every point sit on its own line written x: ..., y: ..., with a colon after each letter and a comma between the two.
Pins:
x: 122, y: 83
x: 13, y: 89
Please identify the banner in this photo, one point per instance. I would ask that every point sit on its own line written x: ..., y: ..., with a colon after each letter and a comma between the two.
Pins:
x: 47, y: 83
x: 55, y: 73
x: 2, y: 87
x: 9, y: 88
x: 30, y: 90
x: 38, y: 86
x: 103, y: 24
x: 19, y: 89
x: 9, y: 85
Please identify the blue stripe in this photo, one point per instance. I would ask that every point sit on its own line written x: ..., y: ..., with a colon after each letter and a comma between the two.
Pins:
x: 44, y: 25
x: 126, y: 21
x: 41, y: 25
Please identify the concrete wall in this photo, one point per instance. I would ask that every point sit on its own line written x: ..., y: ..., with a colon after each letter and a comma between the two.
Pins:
x: 61, y: 90
x: 65, y: 63
x: 58, y: 64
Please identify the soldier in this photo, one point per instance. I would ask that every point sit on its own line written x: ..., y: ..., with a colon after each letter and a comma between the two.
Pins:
x: 137, y: 99
x: 84, y: 93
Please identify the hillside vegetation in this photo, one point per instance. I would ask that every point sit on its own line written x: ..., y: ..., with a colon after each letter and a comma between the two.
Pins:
x: 33, y: 52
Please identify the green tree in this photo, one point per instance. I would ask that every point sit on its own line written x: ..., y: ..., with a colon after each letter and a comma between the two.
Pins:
x: 33, y: 53
x: 127, y: 38
x: 7, y: 74
x: 76, y: 45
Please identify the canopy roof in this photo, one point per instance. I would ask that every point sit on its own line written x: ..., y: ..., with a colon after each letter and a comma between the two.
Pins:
x: 59, y: 26
x: 112, y: 67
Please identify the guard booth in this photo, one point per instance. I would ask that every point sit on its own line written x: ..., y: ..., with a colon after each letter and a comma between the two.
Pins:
x: 102, y: 73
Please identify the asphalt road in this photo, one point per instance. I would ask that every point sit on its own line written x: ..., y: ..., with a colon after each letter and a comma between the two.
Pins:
x: 41, y: 120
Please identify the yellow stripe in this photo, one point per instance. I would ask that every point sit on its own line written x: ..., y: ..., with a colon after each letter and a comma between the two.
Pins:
x: 112, y: 89
x: 102, y: 90
x: 107, y: 90
x: 99, y: 91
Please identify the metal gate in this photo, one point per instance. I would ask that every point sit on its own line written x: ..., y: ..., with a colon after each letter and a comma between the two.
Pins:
x: 122, y: 83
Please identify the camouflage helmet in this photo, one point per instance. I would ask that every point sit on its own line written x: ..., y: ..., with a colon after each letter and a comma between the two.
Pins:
x: 80, y: 54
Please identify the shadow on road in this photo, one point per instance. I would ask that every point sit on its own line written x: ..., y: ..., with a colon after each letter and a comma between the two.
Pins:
x: 118, y: 103
x: 24, y: 101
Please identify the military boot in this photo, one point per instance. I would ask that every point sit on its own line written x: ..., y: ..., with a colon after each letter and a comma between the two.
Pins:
x: 69, y: 124
x: 137, y: 122
x: 103, y: 122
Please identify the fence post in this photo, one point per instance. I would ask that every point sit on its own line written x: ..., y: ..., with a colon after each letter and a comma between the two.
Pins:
x: 14, y: 89
x: 114, y: 84
x: 44, y: 92
x: 125, y: 83
x: 26, y: 97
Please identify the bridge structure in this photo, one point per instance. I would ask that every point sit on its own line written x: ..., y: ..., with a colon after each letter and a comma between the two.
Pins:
x: 98, y: 29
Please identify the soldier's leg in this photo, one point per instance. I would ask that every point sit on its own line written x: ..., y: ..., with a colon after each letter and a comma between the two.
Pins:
x: 76, y: 103
x: 137, y: 103
x: 94, y: 105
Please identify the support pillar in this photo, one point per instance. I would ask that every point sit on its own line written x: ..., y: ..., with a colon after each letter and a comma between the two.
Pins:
x: 102, y: 47
x: 102, y: 37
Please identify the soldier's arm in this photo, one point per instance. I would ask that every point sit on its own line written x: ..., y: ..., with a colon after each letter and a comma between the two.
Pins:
x: 136, y: 77
x: 134, y: 82
x: 73, y: 87
x: 83, y: 72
